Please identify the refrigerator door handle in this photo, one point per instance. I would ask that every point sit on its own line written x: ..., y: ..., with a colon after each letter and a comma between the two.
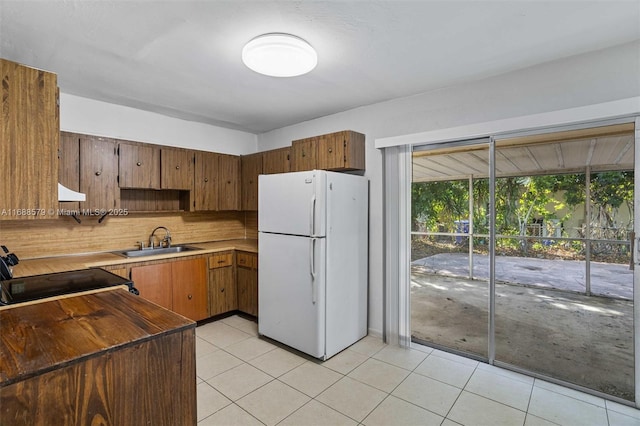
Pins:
x: 312, y: 267
x: 312, y: 216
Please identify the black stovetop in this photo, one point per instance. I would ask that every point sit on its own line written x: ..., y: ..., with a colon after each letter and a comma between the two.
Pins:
x: 36, y: 287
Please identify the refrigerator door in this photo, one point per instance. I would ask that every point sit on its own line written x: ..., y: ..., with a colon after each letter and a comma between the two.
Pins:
x: 292, y: 203
x: 347, y: 260
x: 291, y: 299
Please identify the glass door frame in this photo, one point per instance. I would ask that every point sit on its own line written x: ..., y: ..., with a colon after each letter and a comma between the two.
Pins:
x: 404, y: 157
x: 636, y: 261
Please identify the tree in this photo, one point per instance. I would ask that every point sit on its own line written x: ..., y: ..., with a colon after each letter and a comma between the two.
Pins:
x: 440, y: 202
x: 521, y: 199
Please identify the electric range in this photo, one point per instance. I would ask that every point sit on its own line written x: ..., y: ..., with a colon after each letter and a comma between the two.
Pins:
x: 18, y: 290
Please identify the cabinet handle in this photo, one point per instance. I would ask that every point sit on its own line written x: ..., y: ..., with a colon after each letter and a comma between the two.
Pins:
x: 189, y: 297
x: 138, y: 164
x: 177, y: 167
x: 220, y: 261
x: 330, y: 149
x: 303, y: 154
x: 98, y: 173
x: 222, y: 290
x: 229, y: 182
x: 206, y: 179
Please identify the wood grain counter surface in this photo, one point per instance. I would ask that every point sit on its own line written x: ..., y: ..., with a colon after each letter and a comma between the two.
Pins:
x: 44, y: 336
x: 48, y: 265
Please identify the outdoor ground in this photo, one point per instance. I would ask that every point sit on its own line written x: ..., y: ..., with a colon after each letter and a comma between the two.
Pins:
x: 586, y: 340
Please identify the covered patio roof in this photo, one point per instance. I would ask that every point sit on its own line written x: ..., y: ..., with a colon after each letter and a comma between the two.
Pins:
x: 599, y: 149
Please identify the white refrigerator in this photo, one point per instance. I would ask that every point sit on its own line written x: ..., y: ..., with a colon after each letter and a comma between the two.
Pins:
x: 313, y: 260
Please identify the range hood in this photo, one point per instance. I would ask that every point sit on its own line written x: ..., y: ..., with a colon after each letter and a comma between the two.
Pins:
x: 66, y: 194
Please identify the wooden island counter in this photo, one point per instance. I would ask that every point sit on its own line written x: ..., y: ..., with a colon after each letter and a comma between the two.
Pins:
x: 106, y: 358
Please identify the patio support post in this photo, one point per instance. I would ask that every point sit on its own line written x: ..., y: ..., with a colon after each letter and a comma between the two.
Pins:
x: 470, y: 227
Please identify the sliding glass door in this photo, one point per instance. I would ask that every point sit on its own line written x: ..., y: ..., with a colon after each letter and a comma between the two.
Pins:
x: 550, y: 290
x: 449, y: 247
x: 564, y: 271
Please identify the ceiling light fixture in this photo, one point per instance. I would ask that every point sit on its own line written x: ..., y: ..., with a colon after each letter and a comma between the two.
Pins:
x: 279, y: 55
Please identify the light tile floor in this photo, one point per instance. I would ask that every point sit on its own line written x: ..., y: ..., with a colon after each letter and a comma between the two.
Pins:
x: 247, y: 380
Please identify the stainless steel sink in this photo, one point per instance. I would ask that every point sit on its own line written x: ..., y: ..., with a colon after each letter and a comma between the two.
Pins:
x: 156, y: 251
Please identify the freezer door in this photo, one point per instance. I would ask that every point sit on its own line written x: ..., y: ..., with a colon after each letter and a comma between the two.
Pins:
x: 292, y: 203
x: 291, y: 291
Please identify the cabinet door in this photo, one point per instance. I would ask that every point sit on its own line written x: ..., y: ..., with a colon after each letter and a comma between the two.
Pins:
x: 341, y: 151
x: 69, y: 166
x: 190, y: 288
x: 330, y: 152
x: 154, y: 283
x: 222, y: 284
x: 222, y: 290
x: 176, y: 169
x: 304, y: 155
x: 276, y: 161
x: 139, y: 166
x: 206, y: 181
x: 251, y: 168
x: 247, y: 282
x: 354, y: 148
x: 99, y: 173
x: 30, y: 133
x: 228, y: 182
x: 121, y: 272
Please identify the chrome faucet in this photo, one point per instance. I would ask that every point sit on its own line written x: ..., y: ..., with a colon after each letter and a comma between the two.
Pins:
x: 166, y: 240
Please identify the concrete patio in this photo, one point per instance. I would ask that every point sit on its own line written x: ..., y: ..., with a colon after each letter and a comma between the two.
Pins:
x: 607, y: 279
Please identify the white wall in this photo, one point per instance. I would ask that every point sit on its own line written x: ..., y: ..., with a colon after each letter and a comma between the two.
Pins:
x: 87, y: 116
x: 587, y: 79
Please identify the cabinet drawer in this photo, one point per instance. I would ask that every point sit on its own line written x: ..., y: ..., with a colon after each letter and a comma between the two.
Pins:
x: 248, y: 260
x: 220, y: 260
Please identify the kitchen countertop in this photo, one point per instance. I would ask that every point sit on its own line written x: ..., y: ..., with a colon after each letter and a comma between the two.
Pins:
x: 39, y: 337
x: 48, y: 265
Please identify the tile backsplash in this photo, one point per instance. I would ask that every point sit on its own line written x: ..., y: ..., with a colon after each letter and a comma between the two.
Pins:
x: 64, y: 236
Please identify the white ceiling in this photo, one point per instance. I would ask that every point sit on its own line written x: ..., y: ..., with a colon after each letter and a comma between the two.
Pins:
x: 182, y: 58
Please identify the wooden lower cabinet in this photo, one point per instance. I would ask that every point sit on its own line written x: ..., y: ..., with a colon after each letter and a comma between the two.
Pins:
x: 154, y: 283
x: 222, y: 283
x: 200, y: 287
x: 247, y: 281
x: 180, y: 286
x: 190, y: 288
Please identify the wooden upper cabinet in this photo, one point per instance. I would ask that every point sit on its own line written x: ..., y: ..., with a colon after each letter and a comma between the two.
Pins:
x: 69, y: 166
x: 341, y: 151
x: 217, y: 181
x: 304, y: 154
x: 206, y: 181
x: 99, y: 173
x: 276, y: 161
x: 228, y: 182
x: 139, y: 166
x: 176, y: 169
x: 251, y: 168
x: 30, y: 132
